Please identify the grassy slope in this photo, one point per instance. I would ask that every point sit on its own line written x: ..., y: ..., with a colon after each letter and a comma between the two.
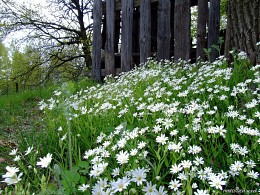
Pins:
x: 20, y: 118
x: 91, y: 124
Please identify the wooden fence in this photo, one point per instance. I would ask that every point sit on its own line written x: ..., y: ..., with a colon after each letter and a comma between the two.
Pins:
x: 148, y: 27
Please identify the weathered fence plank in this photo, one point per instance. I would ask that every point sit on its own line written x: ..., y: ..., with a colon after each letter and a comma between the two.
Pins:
x: 145, y: 30
x: 136, y: 30
x: 137, y: 3
x: 126, y: 37
x: 182, y: 36
x: 97, y: 40
x: 201, y: 29
x: 172, y: 28
x: 110, y: 35
x: 164, y: 29
x: 214, y: 27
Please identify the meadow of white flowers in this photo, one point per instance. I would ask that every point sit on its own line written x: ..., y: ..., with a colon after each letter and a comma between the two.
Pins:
x: 162, y: 128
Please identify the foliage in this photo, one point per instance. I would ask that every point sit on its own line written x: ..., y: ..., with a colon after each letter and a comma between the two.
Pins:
x: 4, y: 68
x: 27, y: 69
x: 163, y: 127
x: 57, y: 30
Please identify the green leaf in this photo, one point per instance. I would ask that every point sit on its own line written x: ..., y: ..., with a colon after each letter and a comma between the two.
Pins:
x: 70, y: 178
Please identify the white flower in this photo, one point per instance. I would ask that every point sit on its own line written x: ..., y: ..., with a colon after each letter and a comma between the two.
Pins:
x: 13, y: 180
x: 64, y: 137
x: 121, y: 143
x: 17, y: 158
x: 141, y: 145
x: 98, y: 169
x: 174, y: 132
x: 194, y: 149
x: 250, y: 164
x: 161, y: 191
x: 175, y: 168
x: 183, y: 138
x: 149, y: 189
x: 216, y: 181
x: 174, y: 147
x: 167, y: 123
x: 157, y: 129
x: 83, y: 187
x: 28, y: 151
x: 139, y: 176
x: 198, y: 161
x: 120, y: 184
x: 182, y: 176
x: 202, y: 175
x: 232, y: 114
x: 243, y: 151
x: 13, y: 152
x: 194, y: 185
x: 57, y: 93
x: 223, y: 174
x: 161, y: 139
x: 45, y: 161
x: 11, y: 171
x: 133, y: 152
x: 201, y: 192
x: 122, y: 157
x: 257, y: 114
x: 11, y: 177
x: 174, y: 185
x: 208, y: 170
x: 253, y: 174
x: 115, y: 172
x: 186, y: 164
x: 237, y: 166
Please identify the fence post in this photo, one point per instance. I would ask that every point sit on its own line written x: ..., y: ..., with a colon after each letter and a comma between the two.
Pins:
x: 126, y: 36
x: 145, y: 30
x: 164, y: 29
x: 110, y: 53
x: 214, y: 27
x: 182, y: 20
x: 97, y: 40
x: 201, y: 29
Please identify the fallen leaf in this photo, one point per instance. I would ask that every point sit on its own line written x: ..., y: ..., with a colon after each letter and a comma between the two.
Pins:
x: 2, y: 160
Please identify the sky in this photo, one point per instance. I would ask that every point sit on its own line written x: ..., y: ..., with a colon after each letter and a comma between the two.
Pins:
x: 20, y: 34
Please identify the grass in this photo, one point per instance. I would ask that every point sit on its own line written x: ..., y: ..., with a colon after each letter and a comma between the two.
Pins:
x: 20, y: 120
x: 163, y: 128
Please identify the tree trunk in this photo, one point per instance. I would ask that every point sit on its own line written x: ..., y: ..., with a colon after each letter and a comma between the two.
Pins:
x: 243, y: 27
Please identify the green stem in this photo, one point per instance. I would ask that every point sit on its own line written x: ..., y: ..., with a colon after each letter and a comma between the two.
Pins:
x: 69, y: 145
